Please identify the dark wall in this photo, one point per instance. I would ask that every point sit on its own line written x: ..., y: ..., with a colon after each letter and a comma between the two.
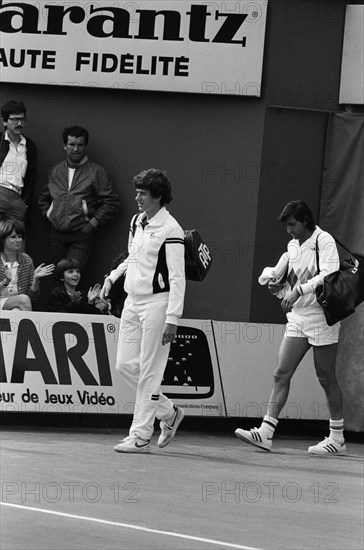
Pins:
x: 293, y: 151
x: 302, y: 76
x: 205, y: 143
x: 234, y: 161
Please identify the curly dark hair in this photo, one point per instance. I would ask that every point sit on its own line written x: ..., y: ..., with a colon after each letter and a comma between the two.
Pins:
x: 157, y: 182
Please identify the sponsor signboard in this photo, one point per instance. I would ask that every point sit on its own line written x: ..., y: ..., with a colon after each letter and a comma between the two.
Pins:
x: 163, y: 45
x: 248, y: 354
x: 51, y: 362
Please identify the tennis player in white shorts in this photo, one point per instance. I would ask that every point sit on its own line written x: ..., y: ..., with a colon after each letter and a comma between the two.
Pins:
x: 311, y: 255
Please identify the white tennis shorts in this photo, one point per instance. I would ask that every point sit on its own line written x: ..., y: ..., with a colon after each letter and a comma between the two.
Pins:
x: 313, y: 327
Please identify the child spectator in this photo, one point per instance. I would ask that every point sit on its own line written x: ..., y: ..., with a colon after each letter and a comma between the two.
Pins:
x: 66, y: 299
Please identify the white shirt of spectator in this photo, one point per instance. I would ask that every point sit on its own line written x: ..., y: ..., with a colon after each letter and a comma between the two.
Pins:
x: 14, y: 167
x: 71, y: 173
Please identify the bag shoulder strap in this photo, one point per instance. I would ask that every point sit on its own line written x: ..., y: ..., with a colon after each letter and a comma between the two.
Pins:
x: 339, y: 243
x: 133, y: 224
x: 343, y: 246
x: 317, y: 254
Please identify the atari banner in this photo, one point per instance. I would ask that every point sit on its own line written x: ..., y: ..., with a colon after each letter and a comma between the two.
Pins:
x: 52, y: 362
x: 162, y: 45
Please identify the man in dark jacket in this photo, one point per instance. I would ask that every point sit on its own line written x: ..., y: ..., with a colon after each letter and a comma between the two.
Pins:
x: 18, y: 160
x: 78, y: 198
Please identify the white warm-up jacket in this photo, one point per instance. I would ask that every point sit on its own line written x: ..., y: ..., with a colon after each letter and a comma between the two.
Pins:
x: 155, y: 268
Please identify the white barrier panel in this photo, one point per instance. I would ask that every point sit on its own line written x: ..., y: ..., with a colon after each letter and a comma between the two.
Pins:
x: 52, y: 362
x: 247, y: 355
x: 352, y: 67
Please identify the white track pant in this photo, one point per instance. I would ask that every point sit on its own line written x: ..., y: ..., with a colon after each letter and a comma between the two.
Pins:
x: 141, y: 360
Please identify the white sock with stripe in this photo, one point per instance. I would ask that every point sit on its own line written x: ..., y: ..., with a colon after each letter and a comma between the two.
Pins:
x: 268, y: 426
x: 337, y: 430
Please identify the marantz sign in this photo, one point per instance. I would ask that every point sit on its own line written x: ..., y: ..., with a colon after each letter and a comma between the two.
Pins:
x: 166, y: 45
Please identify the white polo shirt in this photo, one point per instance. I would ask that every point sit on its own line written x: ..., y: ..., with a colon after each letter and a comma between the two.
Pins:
x: 14, y: 167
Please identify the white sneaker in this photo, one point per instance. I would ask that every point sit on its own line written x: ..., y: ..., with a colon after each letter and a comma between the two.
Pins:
x: 328, y: 447
x: 254, y: 437
x: 133, y: 444
x: 169, y: 431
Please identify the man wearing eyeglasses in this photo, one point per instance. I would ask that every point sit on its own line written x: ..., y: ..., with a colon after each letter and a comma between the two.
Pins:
x: 18, y: 161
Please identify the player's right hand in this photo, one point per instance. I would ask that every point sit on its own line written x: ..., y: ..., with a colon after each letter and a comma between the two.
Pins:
x: 274, y: 286
x: 105, y: 289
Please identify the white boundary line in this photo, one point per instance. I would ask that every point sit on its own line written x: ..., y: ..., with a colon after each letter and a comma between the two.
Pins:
x: 129, y: 526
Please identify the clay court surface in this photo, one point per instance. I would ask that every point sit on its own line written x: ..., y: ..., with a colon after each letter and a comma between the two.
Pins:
x: 67, y: 489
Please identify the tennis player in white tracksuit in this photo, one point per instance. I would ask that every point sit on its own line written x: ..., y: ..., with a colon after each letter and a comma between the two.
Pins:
x: 155, y: 285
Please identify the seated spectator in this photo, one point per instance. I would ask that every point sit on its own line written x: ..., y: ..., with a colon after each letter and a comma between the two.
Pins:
x: 19, y: 281
x: 65, y: 298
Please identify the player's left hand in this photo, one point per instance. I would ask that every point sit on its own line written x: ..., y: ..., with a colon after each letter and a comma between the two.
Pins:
x: 169, y: 333
x: 289, y: 300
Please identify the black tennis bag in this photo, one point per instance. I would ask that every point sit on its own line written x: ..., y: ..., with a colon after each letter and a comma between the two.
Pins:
x: 343, y: 290
x: 198, y: 258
